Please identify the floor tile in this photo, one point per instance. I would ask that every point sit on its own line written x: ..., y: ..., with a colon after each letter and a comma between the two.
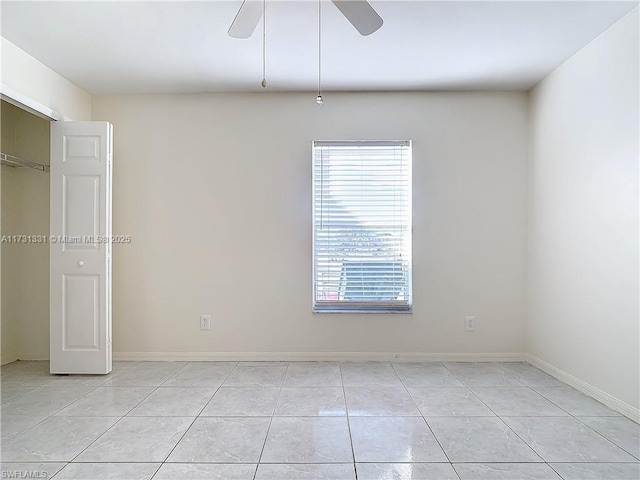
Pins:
x: 394, y: 439
x: 77, y: 380
x: 205, y: 471
x: 119, y: 366
x: 222, y: 440
x: 108, y: 471
x: 517, y: 401
x: 8, y: 392
x: 200, y: 374
x: 27, y: 379
x: 14, y: 425
x: 505, y: 471
x: 263, y: 364
x: 56, y: 439
x: 530, y: 375
x: 313, y: 374
x: 380, y: 401
x: 559, y: 439
x: 137, y: 439
x: 255, y: 377
x: 43, y: 400
x: 285, y: 420
x: 24, y: 367
x: 174, y: 402
x: 483, y: 375
x: 620, y: 430
x: 327, y: 471
x: 480, y: 440
x: 308, y: 440
x: 449, y: 402
x: 25, y: 373
x: 107, y: 402
x: 426, y: 375
x: 575, y: 402
x: 405, y: 471
x: 144, y: 374
x: 598, y: 471
x: 242, y: 402
x: 311, y: 401
x: 369, y: 373
x: 30, y: 470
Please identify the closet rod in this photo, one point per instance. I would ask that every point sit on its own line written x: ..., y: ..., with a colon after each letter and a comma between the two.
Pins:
x: 12, y: 161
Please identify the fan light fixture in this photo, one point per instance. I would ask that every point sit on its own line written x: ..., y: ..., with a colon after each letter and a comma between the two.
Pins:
x: 358, y: 12
x: 319, y: 100
x: 264, y: 44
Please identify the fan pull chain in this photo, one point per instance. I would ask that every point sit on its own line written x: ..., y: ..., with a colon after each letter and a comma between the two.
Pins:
x: 319, y: 100
x: 264, y: 44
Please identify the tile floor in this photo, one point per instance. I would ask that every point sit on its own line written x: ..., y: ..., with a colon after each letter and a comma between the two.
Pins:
x: 328, y: 420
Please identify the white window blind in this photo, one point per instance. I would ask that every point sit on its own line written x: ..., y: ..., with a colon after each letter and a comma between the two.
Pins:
x: 362, y: 226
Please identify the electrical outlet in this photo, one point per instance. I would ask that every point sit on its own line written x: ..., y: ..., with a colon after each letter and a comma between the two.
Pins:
x: 205, y: 322
x: 469, y: 324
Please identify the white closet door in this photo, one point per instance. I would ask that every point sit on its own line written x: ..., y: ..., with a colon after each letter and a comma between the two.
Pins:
x: 80, y: 277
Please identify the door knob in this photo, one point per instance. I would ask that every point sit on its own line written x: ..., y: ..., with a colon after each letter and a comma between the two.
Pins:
x: 80, y: 263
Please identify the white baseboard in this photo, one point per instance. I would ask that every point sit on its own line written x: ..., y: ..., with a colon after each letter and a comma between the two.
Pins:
x: 33, y: 356
x: 318, y: 356
x: 609, y: 400
x: 8, y: 358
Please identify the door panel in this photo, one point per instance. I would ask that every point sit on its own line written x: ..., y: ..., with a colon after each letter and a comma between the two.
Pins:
x: 81, y: 211
x: 81, y: 148
x: 80, y: 247
x: 81, y: 312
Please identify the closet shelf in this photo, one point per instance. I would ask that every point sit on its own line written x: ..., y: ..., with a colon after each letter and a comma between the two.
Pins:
x: 12, y: 161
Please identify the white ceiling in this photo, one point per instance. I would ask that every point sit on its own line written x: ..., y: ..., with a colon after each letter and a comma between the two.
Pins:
x: 154, y: 47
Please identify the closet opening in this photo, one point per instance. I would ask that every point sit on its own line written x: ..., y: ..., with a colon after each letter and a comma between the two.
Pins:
x: 24, y: 230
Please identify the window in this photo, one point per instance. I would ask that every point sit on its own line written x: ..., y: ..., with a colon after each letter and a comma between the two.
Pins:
x: 362, y: 226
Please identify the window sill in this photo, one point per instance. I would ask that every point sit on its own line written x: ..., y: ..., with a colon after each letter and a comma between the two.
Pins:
x: 368, y: 312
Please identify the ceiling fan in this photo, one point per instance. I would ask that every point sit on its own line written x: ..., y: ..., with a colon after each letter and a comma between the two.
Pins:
x: 359, y: 13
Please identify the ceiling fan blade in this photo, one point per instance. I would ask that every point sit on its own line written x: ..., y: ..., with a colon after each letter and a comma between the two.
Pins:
x: 246, y: 19
x: 361, y: 15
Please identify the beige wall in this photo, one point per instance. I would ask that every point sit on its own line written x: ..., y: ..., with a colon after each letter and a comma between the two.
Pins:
x: 215, y: 191
x: 25, y: 211
x: 583, y: 216
x: 24, y: 76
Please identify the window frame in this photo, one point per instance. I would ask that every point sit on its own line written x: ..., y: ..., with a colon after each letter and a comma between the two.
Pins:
x: 368, y: 307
